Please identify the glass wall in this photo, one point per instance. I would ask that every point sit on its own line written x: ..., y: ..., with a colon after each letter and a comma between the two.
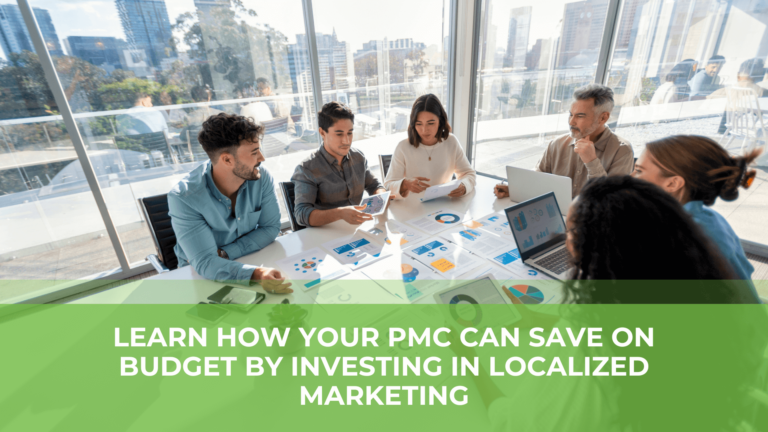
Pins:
x: 673, y: 64
x: 140, y: 76
x: 141, y: 83
x: 51, y: 228
x: 380, y: 66
x: 531, y: 56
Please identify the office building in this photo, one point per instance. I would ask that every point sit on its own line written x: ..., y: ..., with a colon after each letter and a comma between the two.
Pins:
x: 517, y: 39
x: 147, y: 27
x: 581, y: 33
x: 337, y: 68
x: 14, y: 36
x: 98, y: 51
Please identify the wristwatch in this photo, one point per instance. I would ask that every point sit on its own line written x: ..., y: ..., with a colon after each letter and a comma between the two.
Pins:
x: 222, y: 254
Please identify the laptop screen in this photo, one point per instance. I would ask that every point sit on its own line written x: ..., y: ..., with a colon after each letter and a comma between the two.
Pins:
x: 536, y: 224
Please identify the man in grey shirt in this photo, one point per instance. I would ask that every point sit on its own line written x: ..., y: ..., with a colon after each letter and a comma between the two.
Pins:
x: 329, y: 184
x: 590, y: 150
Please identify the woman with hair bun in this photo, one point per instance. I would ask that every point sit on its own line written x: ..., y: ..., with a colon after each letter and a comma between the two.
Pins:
x: 696, y: 171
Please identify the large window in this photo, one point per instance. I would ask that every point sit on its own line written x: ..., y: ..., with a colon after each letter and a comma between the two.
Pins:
x: 531, y: 56
x: 49, y: 229
x: 672, y: 65
x: 380, y: 65
x: 140, y: 76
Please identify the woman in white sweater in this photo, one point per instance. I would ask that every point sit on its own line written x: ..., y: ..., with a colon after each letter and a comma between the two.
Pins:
x: 430, y: 156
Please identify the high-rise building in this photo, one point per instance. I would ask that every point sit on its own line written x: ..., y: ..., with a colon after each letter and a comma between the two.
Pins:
x: 631, y: 8
x: 517, y: 39
x: 14, y: 36
x: 337, y: 70
x: 147, y: 27
x: 533, y: 57
x: 96, y: 50
x: 582, y: 31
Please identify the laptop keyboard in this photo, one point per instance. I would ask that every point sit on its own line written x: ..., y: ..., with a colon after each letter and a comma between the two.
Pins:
x: 557, y: 262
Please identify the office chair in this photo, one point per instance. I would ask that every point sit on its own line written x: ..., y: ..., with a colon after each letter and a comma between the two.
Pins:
x: 289, y: 198
x: 384, y: 162
x: 155, y: 210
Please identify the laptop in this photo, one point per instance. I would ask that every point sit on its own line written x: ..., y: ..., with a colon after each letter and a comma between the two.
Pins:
x: 525, y: 184
x: 539, y: 231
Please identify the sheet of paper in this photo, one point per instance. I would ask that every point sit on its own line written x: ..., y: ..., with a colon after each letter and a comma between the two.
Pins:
x: 506, y: 257
x: 402, y: 234
x: 448, y: 259
x: 311, y: 268
x: 437, y: 191
x: 495, y: 223
x: 475, y: 240
x: 356, y: 250
x: 405, y: 278
x: 376, y: 204
x: 436, y: 222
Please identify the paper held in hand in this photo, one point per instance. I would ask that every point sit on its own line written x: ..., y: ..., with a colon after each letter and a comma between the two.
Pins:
x: 437, y: 191
x: 376, y: 204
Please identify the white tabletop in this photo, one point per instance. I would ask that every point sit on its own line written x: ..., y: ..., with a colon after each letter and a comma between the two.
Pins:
x: 477, y: 204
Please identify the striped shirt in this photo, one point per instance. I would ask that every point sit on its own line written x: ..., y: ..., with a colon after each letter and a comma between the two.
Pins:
x: 321, y: 184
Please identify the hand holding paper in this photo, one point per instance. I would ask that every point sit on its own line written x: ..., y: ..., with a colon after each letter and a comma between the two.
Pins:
x: 440, y: 190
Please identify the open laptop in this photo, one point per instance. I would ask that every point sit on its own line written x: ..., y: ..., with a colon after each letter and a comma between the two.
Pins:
x: 525, y: 184
x: 539, y: 231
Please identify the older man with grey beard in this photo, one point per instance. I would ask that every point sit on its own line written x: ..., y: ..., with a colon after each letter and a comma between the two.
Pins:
x: 590, y: 149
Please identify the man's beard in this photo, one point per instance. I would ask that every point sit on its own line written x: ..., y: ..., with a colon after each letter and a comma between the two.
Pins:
x: 579, y: 135
x: 245, y: 172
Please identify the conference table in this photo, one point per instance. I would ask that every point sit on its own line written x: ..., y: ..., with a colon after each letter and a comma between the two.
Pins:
x: 479, y: 203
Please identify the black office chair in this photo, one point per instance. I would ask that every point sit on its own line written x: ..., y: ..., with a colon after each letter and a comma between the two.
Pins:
x: 384, y: 162
x: 147, y: 143
x: 289, y: 198
x: 155, y: 210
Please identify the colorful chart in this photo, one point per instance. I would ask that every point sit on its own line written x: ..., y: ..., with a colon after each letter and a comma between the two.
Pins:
x: 527, y: 294
x: 447, y: 218
x: 508, y: 257
x: 463, y: 299
x: 427, y: 247
x: 519, y: 222
x: 409, y: 273
x: 470, y: 235
x: 305, y: 266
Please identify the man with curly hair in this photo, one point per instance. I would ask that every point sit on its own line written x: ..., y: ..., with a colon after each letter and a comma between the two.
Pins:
x: 226, y: 208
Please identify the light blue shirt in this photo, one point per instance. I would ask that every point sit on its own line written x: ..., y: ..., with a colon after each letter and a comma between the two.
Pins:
x: 203, y: 222
x: 723, y: 236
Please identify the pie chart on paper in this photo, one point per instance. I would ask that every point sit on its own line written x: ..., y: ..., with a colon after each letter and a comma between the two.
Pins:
x: 527, y: 294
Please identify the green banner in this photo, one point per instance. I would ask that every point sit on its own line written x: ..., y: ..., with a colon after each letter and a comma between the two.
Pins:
x: 460, y: 366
